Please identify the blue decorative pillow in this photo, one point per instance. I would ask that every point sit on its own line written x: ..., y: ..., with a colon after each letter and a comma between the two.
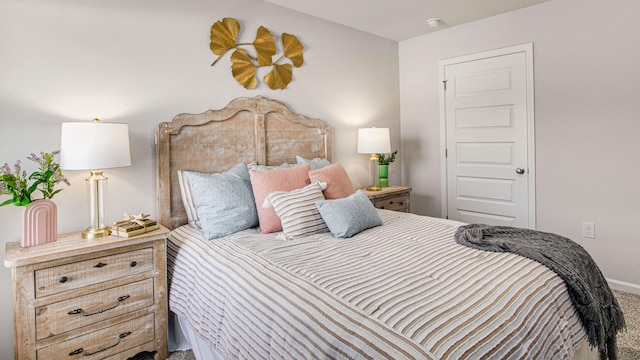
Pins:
x: 269, y: 167
x: 348, y: 216
x: 224, y: 202
x: 241, y: 171
x: 315, y: 163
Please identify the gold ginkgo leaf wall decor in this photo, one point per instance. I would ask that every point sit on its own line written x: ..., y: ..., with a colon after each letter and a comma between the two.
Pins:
x: 224, y: 37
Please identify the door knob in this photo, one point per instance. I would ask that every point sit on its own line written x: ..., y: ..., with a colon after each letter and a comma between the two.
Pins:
x: 520, y: 171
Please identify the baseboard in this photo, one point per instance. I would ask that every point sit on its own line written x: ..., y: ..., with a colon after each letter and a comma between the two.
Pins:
x: 624, y: 286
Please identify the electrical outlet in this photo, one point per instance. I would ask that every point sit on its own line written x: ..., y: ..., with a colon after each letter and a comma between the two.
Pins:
x: 588, y: 230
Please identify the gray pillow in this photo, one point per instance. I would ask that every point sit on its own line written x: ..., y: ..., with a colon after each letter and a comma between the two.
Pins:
x: 284, y: 165
x: 241, y: 170
x: 315, y: 163
x: 348, y: 216
x: 224, y: 202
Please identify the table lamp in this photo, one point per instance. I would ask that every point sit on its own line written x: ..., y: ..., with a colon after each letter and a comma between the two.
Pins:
x: 371, y: 141
x: 95, y: 146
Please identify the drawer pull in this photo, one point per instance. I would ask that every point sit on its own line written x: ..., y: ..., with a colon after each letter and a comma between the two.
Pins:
x: 63, y: 279
x: 133, y: 263
x: 76, y: 352
x: 99, y: 265
x: 81, y: 350
x: 80, y: 311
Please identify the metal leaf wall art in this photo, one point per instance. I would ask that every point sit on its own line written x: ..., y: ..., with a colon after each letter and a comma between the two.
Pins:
x: 224, y: 37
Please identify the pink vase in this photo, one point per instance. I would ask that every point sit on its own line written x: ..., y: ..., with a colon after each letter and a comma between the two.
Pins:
x: 40, y: 223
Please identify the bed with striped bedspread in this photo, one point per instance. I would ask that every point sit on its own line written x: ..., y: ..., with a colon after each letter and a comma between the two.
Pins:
x: 404, y: 290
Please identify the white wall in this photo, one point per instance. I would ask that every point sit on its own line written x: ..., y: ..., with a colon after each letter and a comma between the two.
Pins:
x: 587, y: 83
x: 143, y: 62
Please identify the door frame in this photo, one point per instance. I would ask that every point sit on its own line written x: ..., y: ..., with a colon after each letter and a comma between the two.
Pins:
x: 531, y: 178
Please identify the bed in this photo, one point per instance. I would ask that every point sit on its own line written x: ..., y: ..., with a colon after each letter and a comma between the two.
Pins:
x: 403, y: 290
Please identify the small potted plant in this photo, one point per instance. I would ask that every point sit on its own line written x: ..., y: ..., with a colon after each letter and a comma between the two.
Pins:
x: 383, y: 167
x: 40, y: 214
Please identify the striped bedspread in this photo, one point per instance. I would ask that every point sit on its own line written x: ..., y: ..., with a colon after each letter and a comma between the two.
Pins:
x: 404, y: 290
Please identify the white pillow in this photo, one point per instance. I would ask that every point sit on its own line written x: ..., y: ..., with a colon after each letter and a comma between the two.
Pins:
x: 297, y: 210
x: 187, y: 200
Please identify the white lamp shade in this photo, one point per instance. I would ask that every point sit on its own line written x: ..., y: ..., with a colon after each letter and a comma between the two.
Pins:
x: 94, y: 145
x: 373, y: 140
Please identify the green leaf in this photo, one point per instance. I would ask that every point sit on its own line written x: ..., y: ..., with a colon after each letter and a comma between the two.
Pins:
x: 8, y: 202
x: 384, y: 160
x: 33, y: 187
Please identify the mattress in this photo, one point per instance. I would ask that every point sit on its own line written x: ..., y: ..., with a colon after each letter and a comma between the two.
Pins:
x: 404, y: 290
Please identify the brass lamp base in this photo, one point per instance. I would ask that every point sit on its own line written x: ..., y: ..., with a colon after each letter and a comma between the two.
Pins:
x: 96, y: 233
x: 374, y: 188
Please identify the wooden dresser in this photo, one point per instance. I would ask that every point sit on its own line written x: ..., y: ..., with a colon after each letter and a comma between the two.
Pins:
x: 90, y: 298
x: 396, y: 198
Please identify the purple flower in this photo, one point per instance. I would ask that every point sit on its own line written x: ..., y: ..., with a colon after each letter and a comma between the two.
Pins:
x: 35, y: 158
x: 17, y: 184
x: 60, y: 178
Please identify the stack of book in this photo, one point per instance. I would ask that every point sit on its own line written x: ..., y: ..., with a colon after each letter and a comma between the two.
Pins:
x: 133, y: 227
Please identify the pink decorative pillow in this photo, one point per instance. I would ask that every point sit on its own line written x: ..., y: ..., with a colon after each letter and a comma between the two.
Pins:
x: 339, y: 184
x: 266, y: 181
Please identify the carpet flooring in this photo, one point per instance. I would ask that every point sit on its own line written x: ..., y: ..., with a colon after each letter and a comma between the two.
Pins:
x: 628, y: 341
x: 182, y: 355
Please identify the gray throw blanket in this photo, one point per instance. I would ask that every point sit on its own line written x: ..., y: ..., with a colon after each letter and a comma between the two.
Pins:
x: 597, y: 306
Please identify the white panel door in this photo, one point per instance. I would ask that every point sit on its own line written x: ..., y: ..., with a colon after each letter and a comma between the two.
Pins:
x: 487, y: 130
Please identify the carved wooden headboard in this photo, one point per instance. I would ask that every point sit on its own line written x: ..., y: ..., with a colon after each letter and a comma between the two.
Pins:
x: 247, y: 130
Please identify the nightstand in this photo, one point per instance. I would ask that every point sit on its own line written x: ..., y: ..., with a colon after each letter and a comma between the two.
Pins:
x: 394, y: 198
x: 90, y: 298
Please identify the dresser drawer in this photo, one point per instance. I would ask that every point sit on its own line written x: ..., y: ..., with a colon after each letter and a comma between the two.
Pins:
x: 80, y: 274
x: 104, y: 342
x: 395, y: 203
x: 78, y: 298
x: 57, y: 318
